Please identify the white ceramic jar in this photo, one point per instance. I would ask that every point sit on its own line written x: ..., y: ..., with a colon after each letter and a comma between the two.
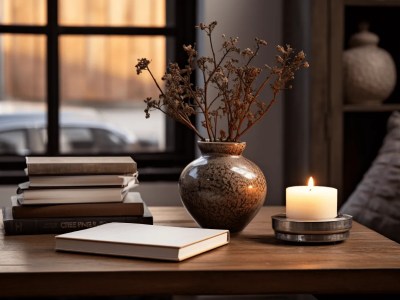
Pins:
x: 369, y: 72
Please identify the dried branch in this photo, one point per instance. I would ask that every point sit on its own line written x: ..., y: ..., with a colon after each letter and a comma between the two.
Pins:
x: 237, y: 106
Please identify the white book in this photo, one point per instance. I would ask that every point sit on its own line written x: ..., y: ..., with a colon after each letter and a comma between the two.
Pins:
x: 143, y: 241
x: 80, y: 165
x: 28, y: 195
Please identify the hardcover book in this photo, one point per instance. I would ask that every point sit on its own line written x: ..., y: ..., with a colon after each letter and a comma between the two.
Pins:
x: 131, y: 206
x: 81, y: 180
x: 28, y: 195
x: 143, y: 241
x: 74, y: 165
x: 63, y: 225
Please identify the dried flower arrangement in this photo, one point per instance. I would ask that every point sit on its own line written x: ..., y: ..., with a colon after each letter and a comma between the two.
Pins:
x: 239, y: 103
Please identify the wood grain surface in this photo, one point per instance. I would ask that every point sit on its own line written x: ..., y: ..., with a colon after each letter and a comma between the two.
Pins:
x: 253, y: 263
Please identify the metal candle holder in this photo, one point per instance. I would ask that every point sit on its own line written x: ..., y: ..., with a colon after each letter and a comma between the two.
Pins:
x: 324, y: 231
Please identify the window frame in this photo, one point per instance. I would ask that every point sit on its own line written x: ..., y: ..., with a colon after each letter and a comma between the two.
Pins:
x: 165, y: 165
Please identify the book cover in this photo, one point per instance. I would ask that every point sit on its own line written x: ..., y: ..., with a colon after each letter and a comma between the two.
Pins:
x: 131, y: 206
x: 64, y: 225
x: 74, y: 165
x: 28, y: 195
x: 143, y: 241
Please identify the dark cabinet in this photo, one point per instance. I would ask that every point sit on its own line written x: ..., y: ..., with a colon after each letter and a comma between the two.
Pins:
x: 343, y: 139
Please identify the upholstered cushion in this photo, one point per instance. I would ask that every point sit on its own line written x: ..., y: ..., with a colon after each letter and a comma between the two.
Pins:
x: 376, y: 200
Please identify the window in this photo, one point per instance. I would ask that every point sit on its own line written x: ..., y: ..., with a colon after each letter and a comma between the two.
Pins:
x: 68, y: 84
x: 13, y: 141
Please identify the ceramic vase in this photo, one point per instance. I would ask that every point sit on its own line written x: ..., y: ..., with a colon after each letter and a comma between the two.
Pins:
x: 369, y: 72
x: 222, y: 189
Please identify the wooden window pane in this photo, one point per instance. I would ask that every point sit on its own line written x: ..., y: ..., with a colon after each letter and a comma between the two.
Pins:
x: 99, y: 83
x: 23, y: 12
x: 22, y: 92
x: 148, y: 13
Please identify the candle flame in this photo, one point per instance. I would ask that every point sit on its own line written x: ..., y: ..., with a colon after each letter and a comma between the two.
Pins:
x: 310, y: 182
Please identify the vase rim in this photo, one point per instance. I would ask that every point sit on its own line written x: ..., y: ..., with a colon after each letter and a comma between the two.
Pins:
x: 224, y: 148
x: 220, y: 142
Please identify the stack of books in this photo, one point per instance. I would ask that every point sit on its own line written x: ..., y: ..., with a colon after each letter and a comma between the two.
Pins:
x: 66, y: 194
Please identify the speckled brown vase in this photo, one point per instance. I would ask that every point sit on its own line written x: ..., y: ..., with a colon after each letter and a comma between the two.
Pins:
x: 222, y: 189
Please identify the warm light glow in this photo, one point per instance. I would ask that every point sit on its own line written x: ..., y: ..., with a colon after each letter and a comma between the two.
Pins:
x: 310, y: 182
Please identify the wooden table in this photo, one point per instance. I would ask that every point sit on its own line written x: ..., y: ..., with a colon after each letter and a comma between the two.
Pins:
x: 253, y: 263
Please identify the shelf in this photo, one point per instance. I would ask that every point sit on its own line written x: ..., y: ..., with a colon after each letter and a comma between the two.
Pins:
x: 371, y: 108
x: 372, y: 2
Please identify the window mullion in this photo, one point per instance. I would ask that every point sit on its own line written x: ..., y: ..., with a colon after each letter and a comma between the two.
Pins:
x: 53, y: 95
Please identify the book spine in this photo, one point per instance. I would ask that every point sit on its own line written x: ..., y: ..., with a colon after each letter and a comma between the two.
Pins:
x: 78, y: 210
x: 64, y: 225
x: 78, y: 169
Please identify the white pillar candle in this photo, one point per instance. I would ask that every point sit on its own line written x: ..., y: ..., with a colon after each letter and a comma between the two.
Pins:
x: 309, y: 203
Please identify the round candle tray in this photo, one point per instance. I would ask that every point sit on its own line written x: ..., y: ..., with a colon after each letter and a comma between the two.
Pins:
x: 324, y: 231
